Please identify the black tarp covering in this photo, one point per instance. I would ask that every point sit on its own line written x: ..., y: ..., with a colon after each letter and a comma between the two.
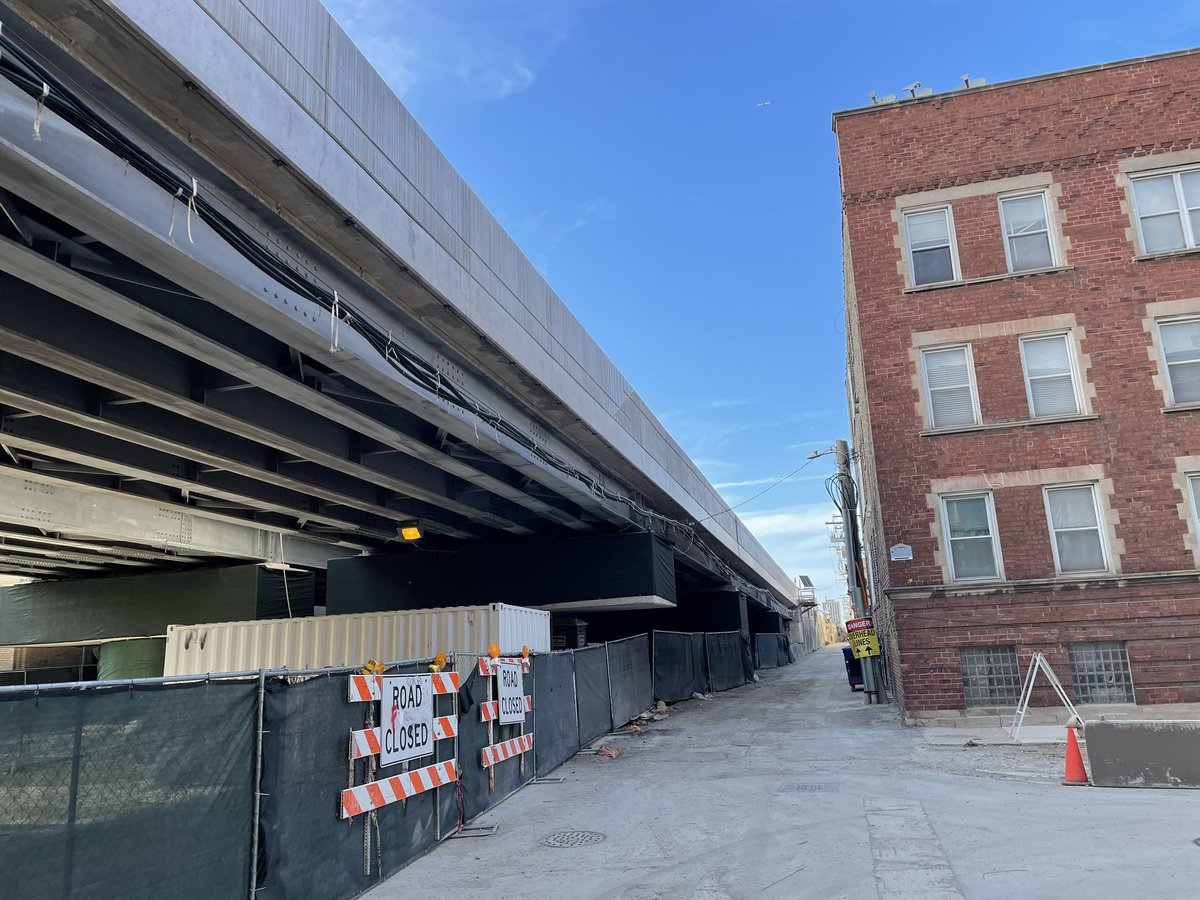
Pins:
x: 283, y: 595
x: 88, y: 609
x: 133, y: 792
x: 306, y: 849
x: 541, y: 572
x: 700, y: 661
x: 473, y: 737
x: 747, y: 659
x: 677, y: 672
x: 771, y: 650
x: 725, y: 664
x: 555, y: 722
x: 629, y: 678
x: 592, y: 704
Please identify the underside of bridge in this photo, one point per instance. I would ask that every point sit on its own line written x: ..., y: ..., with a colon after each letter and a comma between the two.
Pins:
x: 207, y: 362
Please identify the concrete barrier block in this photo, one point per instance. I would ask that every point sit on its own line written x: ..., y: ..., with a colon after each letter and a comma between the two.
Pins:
x: 1144, y: 753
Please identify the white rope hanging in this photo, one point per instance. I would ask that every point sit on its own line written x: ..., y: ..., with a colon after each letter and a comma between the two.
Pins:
x: 41, y: 105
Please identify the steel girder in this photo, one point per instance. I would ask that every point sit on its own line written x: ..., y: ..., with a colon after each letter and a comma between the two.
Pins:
x: 36, y: 499
x: 81, y: 183
x: 242, y: 431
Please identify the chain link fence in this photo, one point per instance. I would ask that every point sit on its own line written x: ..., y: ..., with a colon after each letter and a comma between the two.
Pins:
x: 132, y: 790
x: 168, y: 788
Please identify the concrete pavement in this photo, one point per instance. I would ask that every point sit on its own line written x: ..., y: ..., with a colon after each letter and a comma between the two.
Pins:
x: 792, y: 788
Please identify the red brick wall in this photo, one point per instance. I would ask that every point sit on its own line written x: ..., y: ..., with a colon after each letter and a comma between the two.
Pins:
x: 1160, y: 623
x: 1076, y: 129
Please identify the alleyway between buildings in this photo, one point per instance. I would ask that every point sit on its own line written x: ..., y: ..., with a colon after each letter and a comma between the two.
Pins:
x: 792, y: 788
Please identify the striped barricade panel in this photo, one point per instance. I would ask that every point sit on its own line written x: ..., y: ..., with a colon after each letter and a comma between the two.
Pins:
x: 370, y: 687
x: 367, y: 741
x: 506, y: 750
x: 490, y: 709
x: 487, y: 664
x: 373, y: 795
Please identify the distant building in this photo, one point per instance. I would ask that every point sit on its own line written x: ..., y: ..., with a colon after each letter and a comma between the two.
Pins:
x: 1023, y: 342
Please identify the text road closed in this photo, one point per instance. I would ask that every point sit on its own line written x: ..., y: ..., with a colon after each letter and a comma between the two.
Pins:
x: 512, y: 693
x: 407, y: 726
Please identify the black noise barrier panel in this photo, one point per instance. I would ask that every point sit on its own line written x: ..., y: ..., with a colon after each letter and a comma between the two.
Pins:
x: 592, y: 704
x: 306, y: 849
x: 556, y: 726
x: 629, y: 678
x: 700, y: 661
x: 678, y: 669
x: 725, y: 660
x: 771, y: 649
x: 510, y: 774
x: 138, y: 791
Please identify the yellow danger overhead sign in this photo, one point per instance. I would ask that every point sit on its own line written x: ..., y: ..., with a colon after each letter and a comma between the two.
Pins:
x: 864, y: 641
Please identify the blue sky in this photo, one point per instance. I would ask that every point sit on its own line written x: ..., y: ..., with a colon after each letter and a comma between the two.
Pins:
x: 695, y: 233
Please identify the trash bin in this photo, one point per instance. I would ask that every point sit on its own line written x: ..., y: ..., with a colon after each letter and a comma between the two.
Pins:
x: 853, y: 670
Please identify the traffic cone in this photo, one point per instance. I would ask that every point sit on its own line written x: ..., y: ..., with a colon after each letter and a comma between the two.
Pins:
x: 1075, y: 772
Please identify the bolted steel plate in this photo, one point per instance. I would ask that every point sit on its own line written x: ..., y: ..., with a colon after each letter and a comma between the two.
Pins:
x: 572, y: 838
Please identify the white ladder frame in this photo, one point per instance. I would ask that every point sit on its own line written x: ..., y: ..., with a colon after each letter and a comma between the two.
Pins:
x: 1039, y: 661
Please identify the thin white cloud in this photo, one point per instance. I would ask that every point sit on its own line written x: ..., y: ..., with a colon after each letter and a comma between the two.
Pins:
x: 454, y: 48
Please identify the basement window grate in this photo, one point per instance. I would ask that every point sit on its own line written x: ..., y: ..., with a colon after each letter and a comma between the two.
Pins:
x: 990, y: 676
x: 1100, y: 672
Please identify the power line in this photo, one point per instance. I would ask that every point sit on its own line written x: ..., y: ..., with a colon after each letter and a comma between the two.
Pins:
x: 769, y: 487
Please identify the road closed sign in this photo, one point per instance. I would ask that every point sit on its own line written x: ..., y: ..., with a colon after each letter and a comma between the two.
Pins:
x: 864, y: 641
x: 512, y: 693
x: 406, y: 707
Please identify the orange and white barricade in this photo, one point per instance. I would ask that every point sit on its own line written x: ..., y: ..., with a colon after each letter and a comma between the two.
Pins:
x: 384, y: 739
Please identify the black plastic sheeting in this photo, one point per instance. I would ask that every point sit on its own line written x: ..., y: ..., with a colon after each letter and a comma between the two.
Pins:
x: 678, y: 673
x: 473, y: 737
x: 771, y: 650
x: 306, y: 849
x: 90, y: 609
x: 560, y: 571
x: 592, y: 705
x: 700, y: 660
x: 630, y: 682
x: 555, y: 718
x: 726, y: 667
x: 133, y: 792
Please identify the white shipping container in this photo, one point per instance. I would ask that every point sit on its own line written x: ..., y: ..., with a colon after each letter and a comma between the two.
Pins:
x: 318, y: 642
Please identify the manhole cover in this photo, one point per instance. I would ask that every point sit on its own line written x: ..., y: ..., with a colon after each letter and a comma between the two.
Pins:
x: 810, y: 787
x: 572, y: 838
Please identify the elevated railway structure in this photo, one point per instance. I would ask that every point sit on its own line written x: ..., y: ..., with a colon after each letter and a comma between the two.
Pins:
x: 250, y: 313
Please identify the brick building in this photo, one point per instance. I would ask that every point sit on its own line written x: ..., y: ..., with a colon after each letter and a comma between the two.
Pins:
x: 1023, y: 319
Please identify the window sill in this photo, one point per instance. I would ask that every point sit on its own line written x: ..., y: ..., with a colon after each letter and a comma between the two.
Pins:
x: 1181, y: 408
x: 984, y: 279
x: 1023, y: 423
x: 1059, y: 583
x: 1166, y: 254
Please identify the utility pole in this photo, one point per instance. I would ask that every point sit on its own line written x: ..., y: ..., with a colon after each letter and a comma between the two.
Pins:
x: 853, y: 568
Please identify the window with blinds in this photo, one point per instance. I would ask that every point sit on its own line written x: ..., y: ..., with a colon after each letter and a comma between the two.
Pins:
x: 950, y: 387
x: 1050, y: 382
x: 930, y: 237
x: 1027, y: 243
x: 1181, y: 352
x: 1076, y: 536
x: 1168, y: 210
x: 971, y: 537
